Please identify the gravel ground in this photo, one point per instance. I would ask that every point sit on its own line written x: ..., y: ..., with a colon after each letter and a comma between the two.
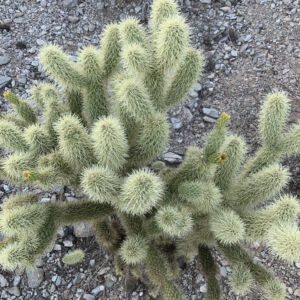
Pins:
x: 251, y: 48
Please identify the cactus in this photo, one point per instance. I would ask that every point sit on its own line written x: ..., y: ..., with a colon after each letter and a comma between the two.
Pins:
x: 100, y: 129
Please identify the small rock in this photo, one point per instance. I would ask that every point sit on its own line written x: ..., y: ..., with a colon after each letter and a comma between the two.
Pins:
x: 234, y: 53
x: 193, y: 94
x: 187, y: 116
x: 89, y: 297
x: 68, y: 243
x: 297, y: 265
x: 110, y: 280
x: 97, y: 290
x: 297, y: 292
x: 223, y: 271
x: 73, y: 19
x: 17, y: 280
x: 45, y: 200
x: 176, y: 123
x: 22, y: 79
x: 34, y: 277
x: 205, y: 1
x: 92, y: 27
x: 4, y: 81
x: 172, y: 158
x: 92, y: 263
x: 3, y: 281
x: 40, y: 42
x: 209, y: 120
x: 77, y: 278
x: 14, y: 291
x: 82, y: 230
x: 43, y: 3
x: 4, y: 60
x: 70, y: 3
x: 103, y: 271
x: 35, y: 63
x: 21, y: 45
x: 57, y: 247
x: 211, y: 112
x: 197, y: 87
x: 203, y: 288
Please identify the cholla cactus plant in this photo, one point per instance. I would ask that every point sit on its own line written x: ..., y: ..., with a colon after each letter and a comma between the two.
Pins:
x: 100, y: 128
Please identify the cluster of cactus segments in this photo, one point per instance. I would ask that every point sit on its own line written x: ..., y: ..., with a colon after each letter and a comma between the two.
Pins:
x: 99, y: 127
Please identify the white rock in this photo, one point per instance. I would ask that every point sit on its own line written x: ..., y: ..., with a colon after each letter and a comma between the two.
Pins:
x: 83, y: 230
x: 70, y: 3
x: 205, y: 1
x: 14, y: 291
x: 97, y: 290
x: 203, y: 288
x: 68, y: 244
x: 172, y: 157
x: 3, y: 281
x: 34, y: 277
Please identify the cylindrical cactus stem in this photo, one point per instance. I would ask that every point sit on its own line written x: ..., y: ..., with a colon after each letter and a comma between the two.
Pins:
x: 140, y: 193
x: 22, y: 108
x: 253, y: 190
x: 110, y: 143
x: 284, y: 210
x: 290, y: 143
x: 171, y: 42
x: 110, y: 49
x: 194, y: 167
x: 136, y: 59
x: 271, y: 286
x: 162, y: 10
x: 11, y: 137
x: 133, y: 224
x: 74, y: 142
x: 273, y: 118
x: 132, y: 32
x: 20, y: 200
x: 23, y: 219
x: 95, y: 104
x: 188, y: 72
x: 15, y: 164
x: 73, y: 212
x: 75, y: 100
x: 38, y: 140
x: 151, y: 141
x: 60, y: 67
x: 284, y: 240
x: 216, y: 139
x: 241, y: 279
x: 134, y: 249
x: 209, y: 268
x: 101, y: 184
x: 156, y: 271
x: 175, y: 221
x: 134, y: 99
x: 63, y: 171
x: 205, y: 197
x: 227, y: 226
x: 234, y: 151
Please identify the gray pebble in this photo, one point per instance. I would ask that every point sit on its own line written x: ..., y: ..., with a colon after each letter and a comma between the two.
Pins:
x: 97, y: 290
x: 4, y: 81
x: 4, y: 59
x: 34, y: 277
x: 211, y: 112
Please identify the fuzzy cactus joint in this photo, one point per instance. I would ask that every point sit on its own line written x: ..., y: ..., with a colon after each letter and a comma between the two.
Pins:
x: 99, y: 128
